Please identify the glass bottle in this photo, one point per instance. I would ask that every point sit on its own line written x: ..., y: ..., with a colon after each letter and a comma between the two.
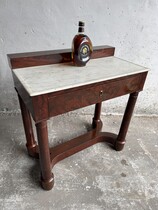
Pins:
x: 81, y: 47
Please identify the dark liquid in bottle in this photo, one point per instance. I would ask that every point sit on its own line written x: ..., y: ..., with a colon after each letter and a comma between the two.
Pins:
x: 81, y: 47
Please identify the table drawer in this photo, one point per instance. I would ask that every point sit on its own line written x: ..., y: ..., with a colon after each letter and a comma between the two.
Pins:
x: 91, y: 94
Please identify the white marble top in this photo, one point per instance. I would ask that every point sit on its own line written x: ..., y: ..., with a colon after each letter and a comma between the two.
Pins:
x: 50, y: 78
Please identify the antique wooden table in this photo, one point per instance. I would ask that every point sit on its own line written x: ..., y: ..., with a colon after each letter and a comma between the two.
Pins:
x: 48, y: 85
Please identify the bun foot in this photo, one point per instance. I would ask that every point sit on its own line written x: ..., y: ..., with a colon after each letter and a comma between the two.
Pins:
x: 33, y: 151
x: 48, y: 184
x: 119, y: 145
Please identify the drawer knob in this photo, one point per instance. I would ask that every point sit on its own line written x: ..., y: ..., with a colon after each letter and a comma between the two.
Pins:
x: 101, y: 93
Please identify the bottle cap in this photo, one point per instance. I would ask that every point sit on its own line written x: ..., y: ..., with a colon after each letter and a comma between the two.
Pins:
x: 81, y: 23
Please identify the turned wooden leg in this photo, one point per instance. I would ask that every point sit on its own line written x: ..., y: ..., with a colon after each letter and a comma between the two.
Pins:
x: 120, y: 141
x: 47, y: 179
x: 96, y: 118
x: 31, y: 143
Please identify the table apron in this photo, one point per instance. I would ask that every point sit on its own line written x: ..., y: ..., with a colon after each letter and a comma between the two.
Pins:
x: 74, y: 99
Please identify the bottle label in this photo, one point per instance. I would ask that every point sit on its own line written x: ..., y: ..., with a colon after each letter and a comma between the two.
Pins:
x: 84, y: 52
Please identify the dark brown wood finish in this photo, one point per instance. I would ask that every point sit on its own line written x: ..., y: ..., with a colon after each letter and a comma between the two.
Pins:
x: 21, y: 60
x: 47, y: 178
x: 31, y: 143
x: 120, y: 141
x: 44, y: 106
x: 64, y: 101
x: 97, y: 113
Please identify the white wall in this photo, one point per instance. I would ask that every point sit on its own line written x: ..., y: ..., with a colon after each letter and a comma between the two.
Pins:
x: 129, y: 25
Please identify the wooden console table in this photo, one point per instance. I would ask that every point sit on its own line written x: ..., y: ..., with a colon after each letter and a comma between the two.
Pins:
x: 48, y: 85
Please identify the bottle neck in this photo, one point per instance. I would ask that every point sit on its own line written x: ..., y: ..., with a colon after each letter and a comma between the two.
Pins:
x: 81, y: 30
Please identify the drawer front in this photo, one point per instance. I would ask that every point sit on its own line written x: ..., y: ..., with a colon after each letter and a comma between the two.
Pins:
x: 88, y: 95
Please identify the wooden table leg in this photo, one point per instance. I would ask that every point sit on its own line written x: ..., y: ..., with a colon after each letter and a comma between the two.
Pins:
x: 96, y: 118
x: 120, y: 141
x: 49, y: 157
x: 31, y: 143
x: 47, y: 178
